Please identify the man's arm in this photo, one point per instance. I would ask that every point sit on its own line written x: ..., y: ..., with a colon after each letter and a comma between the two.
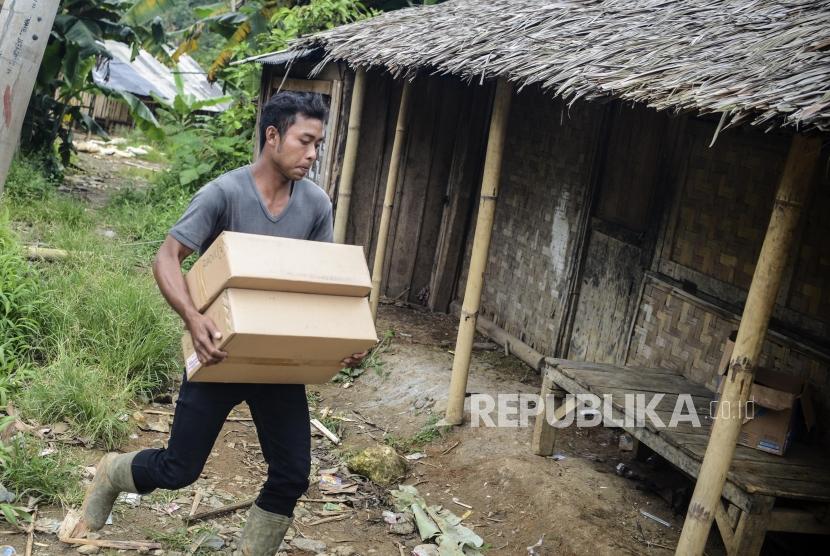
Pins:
x: 168, y: 273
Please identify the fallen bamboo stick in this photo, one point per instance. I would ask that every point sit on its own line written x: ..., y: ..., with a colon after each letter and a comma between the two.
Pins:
x: 329, y: 519
x: 118, y: 545
x: 196, y: 499
x: 45, y: 253
x: 219, y: 511
x: 30, y: 536
x: 322, y: 428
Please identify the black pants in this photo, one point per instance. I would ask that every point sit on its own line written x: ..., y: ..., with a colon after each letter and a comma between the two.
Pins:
x: 280, y: 413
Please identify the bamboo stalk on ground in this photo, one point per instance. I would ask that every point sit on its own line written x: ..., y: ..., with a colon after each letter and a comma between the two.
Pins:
x: 389, y: 197
x: 793, y: 192
x: 344, y: 190
x: 478, y: 259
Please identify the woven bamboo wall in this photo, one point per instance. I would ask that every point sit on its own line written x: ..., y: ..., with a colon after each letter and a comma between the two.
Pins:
x: 722, y: 214
x: 546, y: 170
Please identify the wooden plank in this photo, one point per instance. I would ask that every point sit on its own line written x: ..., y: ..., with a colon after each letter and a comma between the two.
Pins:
x: 791, y: 520
x: 462, y: 183
x: 667, y: 384
x: 544, y: 435
x: 370, y: 174
x: 279, y: 83
x: 612, y: 270
x: 406, y: 220
x: 436, y: 187
x: 608, y: 368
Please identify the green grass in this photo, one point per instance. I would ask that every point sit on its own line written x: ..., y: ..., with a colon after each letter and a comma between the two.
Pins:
x: 53, y: 478
x: 178, y: 539
x: 84, y: 337
x: 430, y: 432
x: 372, y: 361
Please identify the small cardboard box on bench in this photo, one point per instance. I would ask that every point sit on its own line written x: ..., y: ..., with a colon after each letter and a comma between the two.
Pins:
x: 258, y: 262
x: 289, y: 310
x: 781, y: 404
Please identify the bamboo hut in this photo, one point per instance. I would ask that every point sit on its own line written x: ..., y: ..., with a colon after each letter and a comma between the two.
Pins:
x: 613, y: 170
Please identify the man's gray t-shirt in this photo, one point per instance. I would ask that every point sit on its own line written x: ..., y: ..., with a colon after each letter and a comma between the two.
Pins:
x: 232, y: 202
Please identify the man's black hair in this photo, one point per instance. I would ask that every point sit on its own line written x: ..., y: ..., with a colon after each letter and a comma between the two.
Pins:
x: 281, y: 111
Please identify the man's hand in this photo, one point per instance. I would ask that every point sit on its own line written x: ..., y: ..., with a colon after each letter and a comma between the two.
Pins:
x: 354, y: 360
x: 206, y: 338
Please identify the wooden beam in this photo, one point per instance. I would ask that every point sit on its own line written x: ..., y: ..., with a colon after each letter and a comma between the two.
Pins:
x: 793, y: 192
x: 344, y: 193
x: 280, y: 83
x: 722, y: 520
x: 752, y: 528
x: 544, y: 435
x: 791, y: 520
x: 389, y: 197
x: 26, y: 26
x: 481, y: 247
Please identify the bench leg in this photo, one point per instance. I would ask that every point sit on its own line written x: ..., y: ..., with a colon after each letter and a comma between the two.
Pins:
x: 544, y: 434
x: 752, y: 528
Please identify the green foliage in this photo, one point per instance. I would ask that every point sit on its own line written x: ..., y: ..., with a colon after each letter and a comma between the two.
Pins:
x: 26, y: 472
x: 65, y: 73
x: 182, y: 112
x: 73, y: 389
x: 263, y: 26
x: 430, y: 432
x: 371, y: 361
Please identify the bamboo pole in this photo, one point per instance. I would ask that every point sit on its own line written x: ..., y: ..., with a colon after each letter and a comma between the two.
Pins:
x: 389, y: 197
x: 26, y: 27
x: 478, y: 259
x: 344, y: 193
x: 793, y: 190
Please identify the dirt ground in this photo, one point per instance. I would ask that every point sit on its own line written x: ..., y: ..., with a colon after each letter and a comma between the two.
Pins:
x: 573, y: 503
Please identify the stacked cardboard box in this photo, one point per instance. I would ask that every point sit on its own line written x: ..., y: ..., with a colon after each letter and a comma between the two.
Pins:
x: 289, y: 310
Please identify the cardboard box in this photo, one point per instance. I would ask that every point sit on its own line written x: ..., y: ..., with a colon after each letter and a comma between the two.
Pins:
x: 257, y: 262
x: 283, y: 337
x: 781, y: 404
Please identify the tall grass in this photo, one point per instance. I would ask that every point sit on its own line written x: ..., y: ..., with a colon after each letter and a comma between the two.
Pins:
x: 84, y: 337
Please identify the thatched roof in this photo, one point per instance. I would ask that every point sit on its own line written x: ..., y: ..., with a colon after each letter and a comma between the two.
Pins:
x: 758, y: 61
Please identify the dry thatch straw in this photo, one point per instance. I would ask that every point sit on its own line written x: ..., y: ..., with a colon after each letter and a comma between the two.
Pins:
x: 757, y: 61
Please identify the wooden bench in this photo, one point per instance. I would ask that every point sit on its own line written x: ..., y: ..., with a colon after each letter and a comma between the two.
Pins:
x: 760, y: 487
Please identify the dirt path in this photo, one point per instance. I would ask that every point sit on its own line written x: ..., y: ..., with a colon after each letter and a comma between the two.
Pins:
x: 576, y: 505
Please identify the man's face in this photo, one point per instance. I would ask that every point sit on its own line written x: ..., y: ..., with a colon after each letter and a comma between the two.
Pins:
x: 297, y: 151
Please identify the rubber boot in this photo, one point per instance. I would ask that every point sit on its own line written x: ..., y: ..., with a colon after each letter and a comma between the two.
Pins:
x: 112, y: 476
x: 263, y: 533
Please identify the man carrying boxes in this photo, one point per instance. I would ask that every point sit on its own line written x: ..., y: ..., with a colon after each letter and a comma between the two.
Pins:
x: 262, y: 320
